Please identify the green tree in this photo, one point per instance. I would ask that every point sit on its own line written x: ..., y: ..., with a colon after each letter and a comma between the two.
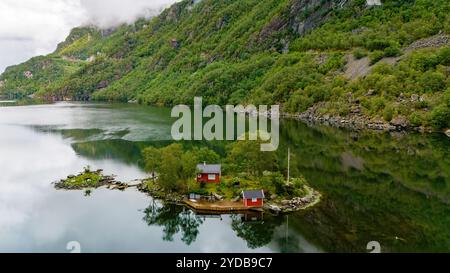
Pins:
x: 152, y: 160
x: 440, y: 116
x: 432, y: 81
x: 247, y: 157
x: 207, y: 155
x: 174, y: 166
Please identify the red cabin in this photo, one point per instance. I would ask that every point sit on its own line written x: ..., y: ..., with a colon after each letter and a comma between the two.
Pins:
x: 208, y: 173
x: 253, y: 199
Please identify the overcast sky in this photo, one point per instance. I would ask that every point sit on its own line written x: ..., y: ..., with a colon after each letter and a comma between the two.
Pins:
x: 35, y: 27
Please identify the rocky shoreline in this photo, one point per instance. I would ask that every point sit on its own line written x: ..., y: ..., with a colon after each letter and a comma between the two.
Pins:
x: 295, y: 204
x: 108, y: 181
x: 312, y: 198
x: 160, y: 194
x: 357, y: 121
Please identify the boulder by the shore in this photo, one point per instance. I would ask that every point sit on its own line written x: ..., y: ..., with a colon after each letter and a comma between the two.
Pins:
x: 447, y: 132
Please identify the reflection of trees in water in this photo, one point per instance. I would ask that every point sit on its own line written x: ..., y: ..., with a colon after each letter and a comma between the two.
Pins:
x: 173, y: 219
x: 255, y: 233
x: 256, y: 230
x: 272, y: 230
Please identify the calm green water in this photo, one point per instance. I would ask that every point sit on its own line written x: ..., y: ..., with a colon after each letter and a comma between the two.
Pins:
x: 393, y: 189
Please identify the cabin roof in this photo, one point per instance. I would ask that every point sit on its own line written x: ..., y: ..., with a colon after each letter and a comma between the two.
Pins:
x: 253, y: 194
x: 210, y: 168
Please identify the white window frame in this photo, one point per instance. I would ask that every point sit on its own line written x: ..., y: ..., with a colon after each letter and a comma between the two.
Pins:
x: 254, y: 200
x: 211, y: 176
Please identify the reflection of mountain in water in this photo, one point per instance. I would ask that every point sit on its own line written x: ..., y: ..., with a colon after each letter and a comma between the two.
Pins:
x: 387, y: 187
x: 128, y: 151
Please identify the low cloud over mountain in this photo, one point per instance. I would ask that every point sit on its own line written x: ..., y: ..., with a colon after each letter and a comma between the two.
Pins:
x: 34, y: 27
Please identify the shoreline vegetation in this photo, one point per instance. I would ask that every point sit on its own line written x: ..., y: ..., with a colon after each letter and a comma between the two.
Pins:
x: 354, y: 121
x: 212, y: 202
x: 348, y: 64
x: 226, y: 196
x: 174, y: 170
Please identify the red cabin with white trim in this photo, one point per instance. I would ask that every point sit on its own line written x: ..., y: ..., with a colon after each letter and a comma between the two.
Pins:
x: 253, y: 199
x: 208, y: 173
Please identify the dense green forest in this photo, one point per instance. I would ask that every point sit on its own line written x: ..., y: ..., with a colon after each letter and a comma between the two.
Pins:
x: 337, y: 57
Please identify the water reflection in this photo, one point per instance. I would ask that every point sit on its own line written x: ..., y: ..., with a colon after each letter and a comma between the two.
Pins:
x: 173, y: 219
x: 390, y: 188
x: 255, y: 228
x: 255, y: 233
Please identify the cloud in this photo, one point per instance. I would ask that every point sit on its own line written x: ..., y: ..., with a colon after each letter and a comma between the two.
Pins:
x: 107, y: 13
x: 35, y: 27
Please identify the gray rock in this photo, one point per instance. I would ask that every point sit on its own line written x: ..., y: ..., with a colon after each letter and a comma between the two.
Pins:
x: 400, y: 121
x: 275, y: 208
x: 306, y: 200
x: 447, y: 132
x: 369, y: 93
x: 218, y: 197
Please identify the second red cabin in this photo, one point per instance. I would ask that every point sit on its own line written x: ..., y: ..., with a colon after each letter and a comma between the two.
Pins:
x: 253, y: 199
x: 208, y: 173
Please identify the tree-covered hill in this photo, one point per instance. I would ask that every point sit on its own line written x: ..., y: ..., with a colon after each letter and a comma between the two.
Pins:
x: 343, y: 58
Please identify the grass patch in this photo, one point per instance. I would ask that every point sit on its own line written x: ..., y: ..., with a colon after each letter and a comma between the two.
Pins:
x: 84, y: 180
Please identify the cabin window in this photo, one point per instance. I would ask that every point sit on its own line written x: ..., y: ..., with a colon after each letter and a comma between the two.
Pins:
x: 211, y: 177
x: 254, y: 200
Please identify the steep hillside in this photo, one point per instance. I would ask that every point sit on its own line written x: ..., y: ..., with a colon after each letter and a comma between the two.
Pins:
x: 340, y: 61
x: 35, y: 74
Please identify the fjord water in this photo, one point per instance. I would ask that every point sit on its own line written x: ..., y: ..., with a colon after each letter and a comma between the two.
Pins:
x: 390, y: 188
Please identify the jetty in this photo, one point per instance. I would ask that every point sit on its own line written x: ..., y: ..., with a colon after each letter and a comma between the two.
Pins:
x: 218, y: 206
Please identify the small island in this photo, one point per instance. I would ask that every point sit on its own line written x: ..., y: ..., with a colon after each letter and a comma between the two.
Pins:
x: 241, y: 193
x: 85, y: 180
x: 243, y: 178
x: 88, y: 180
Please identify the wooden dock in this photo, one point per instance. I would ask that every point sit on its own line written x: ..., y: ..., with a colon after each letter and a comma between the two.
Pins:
x: 219, y: 206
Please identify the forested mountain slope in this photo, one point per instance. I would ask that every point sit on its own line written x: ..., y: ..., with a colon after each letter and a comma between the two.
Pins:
x: 336, y: 58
